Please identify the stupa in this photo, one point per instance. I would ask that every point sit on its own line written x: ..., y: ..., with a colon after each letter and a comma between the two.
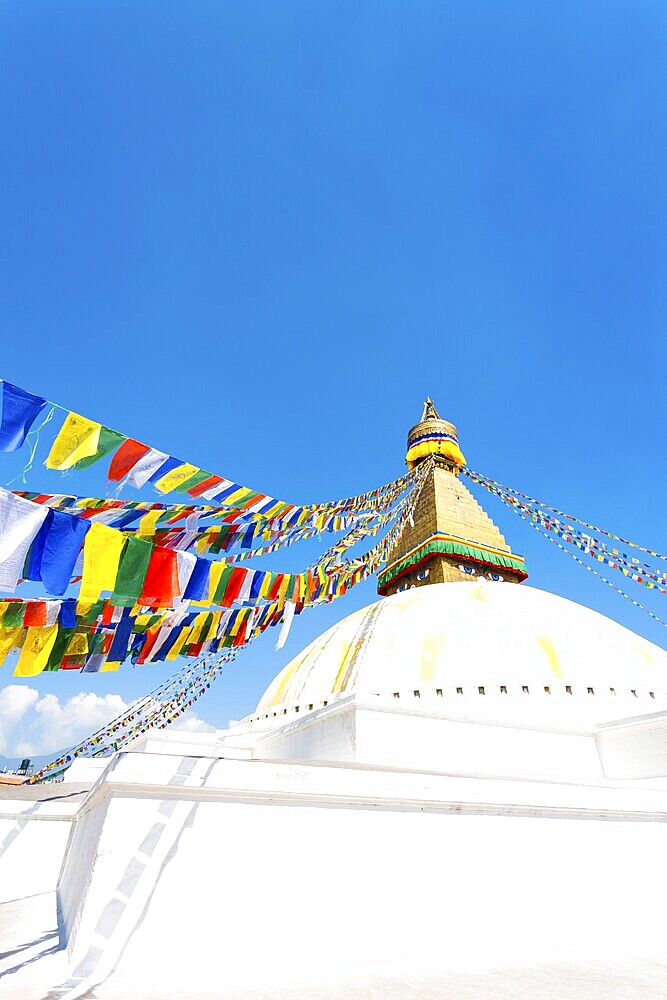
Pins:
x: 460, y: 790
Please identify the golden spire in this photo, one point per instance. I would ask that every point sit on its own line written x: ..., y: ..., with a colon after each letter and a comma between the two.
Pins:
x: 429, y: 412
x: 452, y: 539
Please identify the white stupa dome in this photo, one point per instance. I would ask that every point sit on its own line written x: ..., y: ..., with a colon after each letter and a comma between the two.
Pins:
x: 479, y: 648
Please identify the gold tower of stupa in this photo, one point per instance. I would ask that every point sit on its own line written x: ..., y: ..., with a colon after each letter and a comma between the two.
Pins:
x: 452, y: 539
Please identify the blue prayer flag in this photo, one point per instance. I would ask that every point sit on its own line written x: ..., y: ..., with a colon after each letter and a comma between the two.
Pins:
x: 61, y: 549
x: 20, y: 409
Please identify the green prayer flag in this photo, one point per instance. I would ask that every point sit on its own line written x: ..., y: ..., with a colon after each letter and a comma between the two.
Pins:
x: 223, y: 583
x: 59, y: 648
x: 132, y: 568
x: 109, y: 441
x: 193, y: 481
x: 13, y: 616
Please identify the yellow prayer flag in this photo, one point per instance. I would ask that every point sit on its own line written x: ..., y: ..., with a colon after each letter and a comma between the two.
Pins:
x: 172, y: 480
x: 101, y: 554
x: 78, y: 645
x: 212, y: 630
x: 77, y: 438
x: 273, y: 509
x: 110, y: 665
x: 197, y: 625
x: 180, y: 642
x: 143, y: 619
x: 36, y: 650
x: 10, y: 638
x: 148, y: 522
x: 237, y: 496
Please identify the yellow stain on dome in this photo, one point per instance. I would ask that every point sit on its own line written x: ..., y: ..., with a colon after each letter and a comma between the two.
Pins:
x: 431, y: 648
x: 546, y: 643
x: 288, y: 674
x: 345, y: 652
x: 644, y: 653
x: 304, y: 661
x: 481, y: 593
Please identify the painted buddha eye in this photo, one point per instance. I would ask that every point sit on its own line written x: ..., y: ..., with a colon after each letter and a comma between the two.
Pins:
x: 403, y: 586
x: 496, y: 577
x: 469, y: 570
x: 423, y: 574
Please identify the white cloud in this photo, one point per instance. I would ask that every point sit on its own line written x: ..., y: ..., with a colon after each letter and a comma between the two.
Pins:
x: 33, y: 725
x: 191, y: 723
x: 15, y: 701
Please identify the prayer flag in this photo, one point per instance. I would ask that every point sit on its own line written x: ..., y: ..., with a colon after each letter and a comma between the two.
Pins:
x: 10, y: 639
x: 198, y: 582
x: 126, y: 458
x: 146, y: 467
x: 199, y: 489
x: 77, y: 438
x: 108, y: 441
x: 35, y: 614
x: 14, y: 614
x: 132, y: 569
x: 59, y: 648
x: 161, y: 583
x: 176, y: 477
x: 20, y: 520
x: 167, y: 466
x: 37, y: 647
x: 62, y: 545
x: 20, y: 409
x: 101, y: 556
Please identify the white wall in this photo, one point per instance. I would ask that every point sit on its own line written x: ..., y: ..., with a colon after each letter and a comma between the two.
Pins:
x: 394, y: 736
x: 248, y: 875
x: 634, y: 748
x: 33, y: 837
x: 252, y: 896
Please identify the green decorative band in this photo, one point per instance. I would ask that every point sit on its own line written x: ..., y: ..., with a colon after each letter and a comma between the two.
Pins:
x: 448, y: 546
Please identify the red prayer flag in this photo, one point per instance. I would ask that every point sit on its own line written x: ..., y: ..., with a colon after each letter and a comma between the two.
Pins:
x: 233, y: 588
x: 239, y: 638
x: 149, y: 642
x: 161, y: 582
x: 207, y: 484
x: 125, y: 458
x: 35, y: 614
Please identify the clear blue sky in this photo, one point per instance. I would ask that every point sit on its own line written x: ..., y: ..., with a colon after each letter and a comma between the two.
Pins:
x: 257, y: 235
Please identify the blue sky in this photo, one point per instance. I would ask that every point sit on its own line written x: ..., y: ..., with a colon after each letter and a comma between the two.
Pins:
x: 257, y: 235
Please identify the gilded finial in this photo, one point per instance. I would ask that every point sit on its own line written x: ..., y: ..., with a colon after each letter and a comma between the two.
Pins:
x: 430, y: 412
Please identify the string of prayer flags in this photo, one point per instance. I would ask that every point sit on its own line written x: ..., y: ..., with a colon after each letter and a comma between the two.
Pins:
x: 492, y: 486
x: 81, y: 441
x: 92, y: 634
x: 158, y: 709
x: 541, y: 517
x: 592, y: 570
